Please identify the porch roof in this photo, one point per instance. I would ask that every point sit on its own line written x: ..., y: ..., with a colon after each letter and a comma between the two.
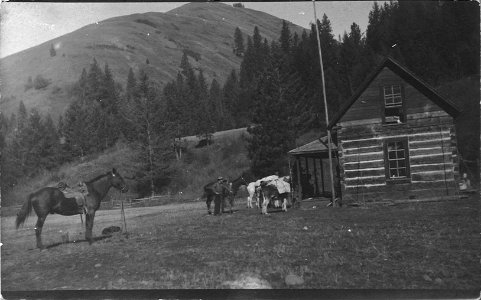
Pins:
x: 316, y: 146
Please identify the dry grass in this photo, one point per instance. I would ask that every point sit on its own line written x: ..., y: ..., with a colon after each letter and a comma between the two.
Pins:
x: 415, y: 246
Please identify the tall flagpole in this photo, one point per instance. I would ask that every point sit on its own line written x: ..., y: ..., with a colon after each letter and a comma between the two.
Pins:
x: 325, y: 106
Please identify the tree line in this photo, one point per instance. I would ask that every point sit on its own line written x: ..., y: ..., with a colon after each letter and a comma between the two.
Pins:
x: 276, y: 92
x: 280, y: 84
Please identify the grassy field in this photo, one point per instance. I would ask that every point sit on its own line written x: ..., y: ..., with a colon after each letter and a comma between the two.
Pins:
x: 408, y: 246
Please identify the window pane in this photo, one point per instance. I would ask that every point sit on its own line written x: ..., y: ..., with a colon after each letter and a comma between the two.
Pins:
x: 396, y: 89
x: 401, y: 163
x: 396, y: 156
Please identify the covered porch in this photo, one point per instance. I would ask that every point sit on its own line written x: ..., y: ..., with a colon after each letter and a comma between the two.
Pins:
x: 310, y: 170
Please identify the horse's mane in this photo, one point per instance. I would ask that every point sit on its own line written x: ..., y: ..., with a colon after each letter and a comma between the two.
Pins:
x: 98, y: 177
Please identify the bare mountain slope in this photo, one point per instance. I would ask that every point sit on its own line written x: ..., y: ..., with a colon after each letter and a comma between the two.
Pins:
x: 205, y: 30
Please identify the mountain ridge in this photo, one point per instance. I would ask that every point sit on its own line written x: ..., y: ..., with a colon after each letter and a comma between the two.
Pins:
x: 204, y: 30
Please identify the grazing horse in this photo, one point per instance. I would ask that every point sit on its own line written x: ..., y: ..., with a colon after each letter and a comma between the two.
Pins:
x: 219, y: 192
x: 51, y: 200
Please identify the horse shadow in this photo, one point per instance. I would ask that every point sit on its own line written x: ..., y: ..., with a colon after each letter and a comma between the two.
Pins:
x: 98, y: 238
x: 275, y: 211
x: 230, y: 212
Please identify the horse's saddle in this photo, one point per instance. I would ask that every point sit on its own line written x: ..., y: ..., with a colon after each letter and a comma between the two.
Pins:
x: 78, y: 193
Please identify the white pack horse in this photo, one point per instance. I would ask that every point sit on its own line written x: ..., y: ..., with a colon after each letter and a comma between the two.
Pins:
x: 253, y: 189
x: 275, y: 190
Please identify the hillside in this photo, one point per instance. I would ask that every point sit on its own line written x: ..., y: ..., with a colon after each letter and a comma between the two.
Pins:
x: 226, y: 157
x: 204, y: 30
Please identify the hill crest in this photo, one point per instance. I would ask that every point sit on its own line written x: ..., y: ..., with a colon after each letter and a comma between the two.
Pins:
x: 205, y: 30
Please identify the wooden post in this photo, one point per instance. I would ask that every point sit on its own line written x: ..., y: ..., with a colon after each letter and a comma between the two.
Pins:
x: 333, y: 192
x: 122, y: 214
x: 315, y: 177
x: 322, y: 176
x: 299, y: 191
x: 290, y: 184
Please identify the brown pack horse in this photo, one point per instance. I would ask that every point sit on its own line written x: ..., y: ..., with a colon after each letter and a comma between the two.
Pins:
x: 51, y: 200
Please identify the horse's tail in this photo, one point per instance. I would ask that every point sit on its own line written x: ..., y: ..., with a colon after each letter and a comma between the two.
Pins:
x: 24, y: 211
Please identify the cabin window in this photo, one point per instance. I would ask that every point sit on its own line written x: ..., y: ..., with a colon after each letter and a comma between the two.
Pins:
x: 393, y: 104
x: 397, y: 159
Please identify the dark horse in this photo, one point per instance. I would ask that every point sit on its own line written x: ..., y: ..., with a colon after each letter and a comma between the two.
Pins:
x: 218, y: 193
x: 51, y: 200
x: 237, y: 183
x: 243, y: 179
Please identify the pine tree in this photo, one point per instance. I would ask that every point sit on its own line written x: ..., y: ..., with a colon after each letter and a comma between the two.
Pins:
x: 93, y: 82
x: 144, y: 112
x: 238, y: 42
x: 29, y: 83
x: 230, y: 101
x: 49, y: 147
x: 205, y: 120
x: 31, y: 140
x: 216, y: 103
x: 109, y: 130
x: 22, y: 116
x: 131, y: 84
x: 52, y: 51
x: 285, y: 39
x: 76, y: 129
x: 271, y: 136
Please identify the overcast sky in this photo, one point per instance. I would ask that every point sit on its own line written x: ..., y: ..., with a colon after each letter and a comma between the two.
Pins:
x: 24, y: 25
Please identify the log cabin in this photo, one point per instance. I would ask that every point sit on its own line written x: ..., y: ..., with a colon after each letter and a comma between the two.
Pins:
x: 396, y: 140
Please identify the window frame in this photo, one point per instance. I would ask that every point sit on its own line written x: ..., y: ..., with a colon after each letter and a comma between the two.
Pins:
x: 405, y: 143
x: 401, y: 106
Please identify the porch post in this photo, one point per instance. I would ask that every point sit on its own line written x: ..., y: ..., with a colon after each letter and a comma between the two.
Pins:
x: 299, y: 190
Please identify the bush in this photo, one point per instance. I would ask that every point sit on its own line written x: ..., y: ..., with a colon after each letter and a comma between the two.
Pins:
x: 146, y: 22
x: 56, y: 90
x: 40, y: 82
x: 29, y: 83
x: 192, y: 54
x: 238, y: 5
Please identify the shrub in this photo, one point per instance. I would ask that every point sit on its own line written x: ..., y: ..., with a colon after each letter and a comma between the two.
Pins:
x: 29, y: 83
x: 56, y: 90
x: 52, y: 51
x: 146, y: 22
x: 192, y: 54
x: 40, y: 82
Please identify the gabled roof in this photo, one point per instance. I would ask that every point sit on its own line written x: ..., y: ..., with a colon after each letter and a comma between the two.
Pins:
x: 409, y: 77
x: 317, y: 146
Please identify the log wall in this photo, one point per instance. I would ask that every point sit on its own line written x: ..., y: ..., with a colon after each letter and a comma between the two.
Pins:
x: 432, y: 152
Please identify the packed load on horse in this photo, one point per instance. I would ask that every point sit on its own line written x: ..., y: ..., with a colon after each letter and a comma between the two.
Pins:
x: 282, y: 184
x: 270, y: 188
